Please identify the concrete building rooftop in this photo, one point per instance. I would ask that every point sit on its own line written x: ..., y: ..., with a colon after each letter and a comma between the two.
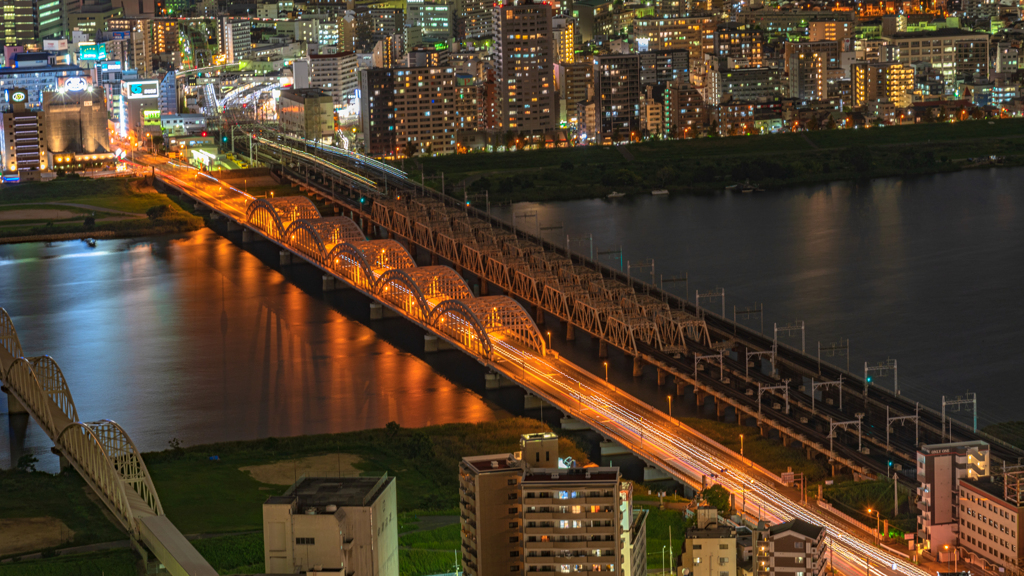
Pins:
x: 593, y: 474
x: 799, y: 526
x: 995, y: 490
x: 929, y: 448
x: 488, y: 462
x: 341, y: 492
x: 940, y: 33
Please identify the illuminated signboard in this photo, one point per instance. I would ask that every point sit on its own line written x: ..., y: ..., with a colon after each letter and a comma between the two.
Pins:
x: 75, y: 84
x: 92, y: 51
x: 144, y: 89
x: 151, y: 117
x: 18, y: 96
x: 111, y: 65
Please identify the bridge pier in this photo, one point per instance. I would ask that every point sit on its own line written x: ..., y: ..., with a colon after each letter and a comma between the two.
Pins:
x: 539, y: 313
x: 433, y: 259
x: 531, y: 402
x: 492, y: 380
x: 330, y: 284
x: 661, y: 377
x: 570, y: 423
x: 720, y: 408
x: 248, y: 236
x: 377, y: 312
x: 570, y: 332
x: 412, y: 249
x: 610, y: 448
x: 602, y: 349
x: 284, y: 257
x: 14, y: 406
x: 483, y: 286
x: 701, y: 397
x: 638, y: 366
x: 234, y: 226
x: 652, y: 474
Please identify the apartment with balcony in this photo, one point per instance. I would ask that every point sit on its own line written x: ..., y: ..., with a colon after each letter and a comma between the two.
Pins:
x: 794, y: 548
x: 527, y: 512
x: 22, y: 139
x: 709, y: 548
x: 939, y: 468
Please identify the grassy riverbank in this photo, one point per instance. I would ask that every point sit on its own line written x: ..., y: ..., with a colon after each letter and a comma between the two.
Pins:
x: 117, y: 207
x: 707, y: 165
x: 224, y: 495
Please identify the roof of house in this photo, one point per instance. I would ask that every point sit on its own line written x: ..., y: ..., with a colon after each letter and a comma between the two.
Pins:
x: 799, y: 526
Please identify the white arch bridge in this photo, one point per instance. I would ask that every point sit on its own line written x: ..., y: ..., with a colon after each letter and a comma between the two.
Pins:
x: 102, y: 453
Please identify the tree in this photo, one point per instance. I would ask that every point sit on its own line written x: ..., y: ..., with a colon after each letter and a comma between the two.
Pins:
x: 157, y: 212
x: 27, y: 463
x: 392, y: 428
x: 718, y: 497
x: 409, y: 150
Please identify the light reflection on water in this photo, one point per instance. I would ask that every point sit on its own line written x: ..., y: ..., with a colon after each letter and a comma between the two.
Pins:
x: 196, y: 339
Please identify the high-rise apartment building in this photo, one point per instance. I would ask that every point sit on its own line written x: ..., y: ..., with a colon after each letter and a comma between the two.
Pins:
x: 466, y: 105
x: 523, y: 512
x: 564, y: 33
x: 425, y: 115
x: 575, y: 84
x: 478, y: 18
x: 829, y: 30
x: 377, y: 111
x: 617, y: 96
x: 31, y: 21
x: 696, y: 34
x: 806, y: 75
x: 335, y: 74
x: 685, y: 114
x: 939, y: 467
x: 659, y: 67
x: 307, y: 113
x: 888, y: 82
x: 525, y: 66
x: 740, y: 42
x: 234, y: 37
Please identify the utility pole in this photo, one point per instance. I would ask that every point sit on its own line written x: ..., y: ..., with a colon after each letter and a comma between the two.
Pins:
x: 882, y: 369
x: 836, y: 383
x: 755, y: 310
x: 840, y: 348
x: 713, y: 293
x: 682, y: 277
x: 789, y: 329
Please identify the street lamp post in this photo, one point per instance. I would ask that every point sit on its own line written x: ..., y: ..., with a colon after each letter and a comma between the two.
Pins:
x: 878, y: 524
x: 549, y: 339
x: 670, y: 406
x: 605, y: 371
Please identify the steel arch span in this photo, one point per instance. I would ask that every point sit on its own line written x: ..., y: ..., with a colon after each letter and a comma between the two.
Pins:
x: 8, y: 338
x: 351, y: 264
x: 487, y: 318
x: 274, y: 215
x: 416, y: 291
x: 51, y: 380
x: 386, y: 254
x: 317, y: 236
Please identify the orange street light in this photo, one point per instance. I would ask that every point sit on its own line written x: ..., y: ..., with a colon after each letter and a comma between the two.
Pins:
x: 549, y: 339
x: 670, y: 406
x: 605, y: 371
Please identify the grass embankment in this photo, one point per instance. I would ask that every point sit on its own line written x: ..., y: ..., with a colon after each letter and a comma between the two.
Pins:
x: 65, y: 206
x: 768, y: 453
x: 856, y: 498
x: 1012, y: 432
x: 706, y: 165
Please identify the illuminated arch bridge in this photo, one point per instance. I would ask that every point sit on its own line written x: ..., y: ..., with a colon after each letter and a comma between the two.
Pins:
x: 434, y: 295
x: 102, y: 453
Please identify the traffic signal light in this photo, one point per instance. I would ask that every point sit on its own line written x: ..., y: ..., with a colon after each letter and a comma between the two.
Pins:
x: 225, y: 138
x: 204, y: 133
x: 467, y: 202
x: 869, y: 379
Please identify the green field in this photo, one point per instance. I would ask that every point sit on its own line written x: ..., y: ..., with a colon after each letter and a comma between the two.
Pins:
x: 706, y: 165
x: 1012, y: 432
x: 856, y: 498
x: 76, y: 195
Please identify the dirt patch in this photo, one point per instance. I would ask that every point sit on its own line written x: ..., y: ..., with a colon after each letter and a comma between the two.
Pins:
x: 286, y: 472
x: 36, y: 214
x: 30, y: 534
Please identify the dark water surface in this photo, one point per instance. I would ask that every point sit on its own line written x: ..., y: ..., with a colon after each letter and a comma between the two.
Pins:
x: 197, y: 339
x: 928, y: 271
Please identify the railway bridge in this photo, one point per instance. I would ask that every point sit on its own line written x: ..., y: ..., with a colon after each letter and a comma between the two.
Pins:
x: 827, y: 410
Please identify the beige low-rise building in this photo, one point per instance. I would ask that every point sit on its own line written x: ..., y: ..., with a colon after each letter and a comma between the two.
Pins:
x: 346, y: 525
x: 709, y: 548
x: 991, y: 525
x: 794, y: 548
x: 308, y: 113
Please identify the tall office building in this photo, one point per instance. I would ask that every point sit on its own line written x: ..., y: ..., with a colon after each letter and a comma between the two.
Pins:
x: 564, y: 33
x: 377, y: 111
x: 234, y: 36
x: 525, y: 66
x: 76, y: 126
x: 888, y: 82
x: 31, y: 21
x: 336, y: 74
x: 617, y: 96
x: 22, y: 141
x: 522, y: 512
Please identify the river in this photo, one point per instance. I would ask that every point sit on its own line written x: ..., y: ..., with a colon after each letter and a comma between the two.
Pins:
x: 194, y: 338
x: 926, y: 271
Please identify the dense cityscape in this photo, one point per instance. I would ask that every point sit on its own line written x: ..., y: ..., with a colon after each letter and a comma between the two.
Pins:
x: 390, y: 287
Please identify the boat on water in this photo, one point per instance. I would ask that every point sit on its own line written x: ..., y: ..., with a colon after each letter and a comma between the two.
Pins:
x: 659, y: 192
x: 616, y: 195
x: 749, y: 188
x: 731, y: 187
x: 90, y: 242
